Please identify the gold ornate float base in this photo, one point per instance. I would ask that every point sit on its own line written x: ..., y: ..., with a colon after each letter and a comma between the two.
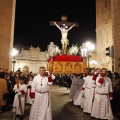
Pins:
x: 67, y: 67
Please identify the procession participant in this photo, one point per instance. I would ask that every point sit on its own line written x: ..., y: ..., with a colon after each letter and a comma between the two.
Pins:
x: 41, y: 107
x: 28, y: 99
x: 97, y: 73
x: 74, y: 86
x: 103, y: 94
x: 19, y: 100
x: 21, y: 74
x: 94, y: 77
x: 82, y: 91
x: 50, y: 74
x: 77, y: 97
x: 88, y: 93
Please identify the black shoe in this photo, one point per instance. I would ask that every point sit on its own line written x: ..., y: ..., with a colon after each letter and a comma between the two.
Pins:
x: 21, y: 117
x: 17, y: 115
x: 78, y: 106
x: 93, y: 118
x: 87, y: 114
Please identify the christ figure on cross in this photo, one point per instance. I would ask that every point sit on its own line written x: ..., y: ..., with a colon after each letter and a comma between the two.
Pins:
x: 64, y: 31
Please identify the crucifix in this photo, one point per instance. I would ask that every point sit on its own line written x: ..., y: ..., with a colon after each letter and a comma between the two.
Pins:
x: 64, y: 27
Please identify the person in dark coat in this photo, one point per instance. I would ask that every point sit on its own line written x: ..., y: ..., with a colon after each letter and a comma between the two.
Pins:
x: 116, y: 94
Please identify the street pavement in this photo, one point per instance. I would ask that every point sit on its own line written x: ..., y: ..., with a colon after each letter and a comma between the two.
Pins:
x: 62, y: 107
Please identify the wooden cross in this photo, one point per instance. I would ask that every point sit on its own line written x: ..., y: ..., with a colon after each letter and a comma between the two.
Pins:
x: 64, y: 21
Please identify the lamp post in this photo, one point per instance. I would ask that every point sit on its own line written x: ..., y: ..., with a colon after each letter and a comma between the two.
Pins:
x: 14, y: 53
x: 86, y: 48
x: 93, y: 63
x: 83, y: 52
x: 89, y: 47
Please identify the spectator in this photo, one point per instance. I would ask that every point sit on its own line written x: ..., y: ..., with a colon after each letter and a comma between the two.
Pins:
x: 3, y: 89
x: 116, y: 94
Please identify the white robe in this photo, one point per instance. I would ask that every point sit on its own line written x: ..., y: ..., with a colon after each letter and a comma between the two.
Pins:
x: 41, y: 108
x: 77, y: 97
x: 73, y: 88
x: 101, y: 105
x: 88, y: 94
x: 28, y: 99
x: 81, y: 95
x: 16, y: 100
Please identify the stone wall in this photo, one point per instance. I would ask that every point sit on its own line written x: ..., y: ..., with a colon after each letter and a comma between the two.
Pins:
x: 7, y: 16
x: 115, y: 5
x: 103, y: 32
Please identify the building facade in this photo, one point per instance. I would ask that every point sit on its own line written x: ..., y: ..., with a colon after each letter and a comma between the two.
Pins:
x: 30, y: 60
x: 103, y: 32
x: 7, y: 18
x: 108, y: 33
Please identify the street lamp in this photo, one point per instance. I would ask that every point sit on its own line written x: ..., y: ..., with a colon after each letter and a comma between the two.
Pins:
x: 93, y: 63
x: 14, y: 53
x: 83, y: 52
x: 86, y: 48
x: 90, y: 47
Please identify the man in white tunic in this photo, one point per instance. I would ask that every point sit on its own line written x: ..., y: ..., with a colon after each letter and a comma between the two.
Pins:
x: 103, y: 94
x: 74, y: 86
x: 41, y: 107
x: 77, y: 97
x: 20, y: 89
x: 88, y: 93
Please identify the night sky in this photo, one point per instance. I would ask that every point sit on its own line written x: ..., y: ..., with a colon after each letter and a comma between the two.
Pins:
x: 33, y: 16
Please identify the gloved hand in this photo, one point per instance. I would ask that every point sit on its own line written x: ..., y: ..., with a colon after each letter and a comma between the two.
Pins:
x: 19, y: 93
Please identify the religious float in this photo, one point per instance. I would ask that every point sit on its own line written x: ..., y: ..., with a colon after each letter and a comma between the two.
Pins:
x: 66, y: 64
x: 65, y: 60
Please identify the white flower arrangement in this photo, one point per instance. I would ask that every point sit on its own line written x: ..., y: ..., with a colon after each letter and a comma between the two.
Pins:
x: 73, y: 50
x: 57, y: 50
